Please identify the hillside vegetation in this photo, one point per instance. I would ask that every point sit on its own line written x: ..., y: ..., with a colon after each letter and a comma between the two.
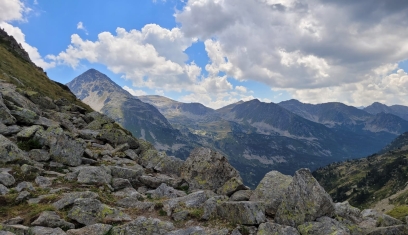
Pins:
x: 372, y: 181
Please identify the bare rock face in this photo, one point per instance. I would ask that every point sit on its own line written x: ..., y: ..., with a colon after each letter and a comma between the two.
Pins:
x: 207, y: 169
x: 305, y: 201
x: 271, y: 189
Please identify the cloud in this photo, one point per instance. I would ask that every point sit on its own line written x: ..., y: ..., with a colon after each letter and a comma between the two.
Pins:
x: 304, y: 47
x: 15, y: 10
x: 81, y: 26
x: 152, y: 57
x: 12, y: 10
x: 134, y: 92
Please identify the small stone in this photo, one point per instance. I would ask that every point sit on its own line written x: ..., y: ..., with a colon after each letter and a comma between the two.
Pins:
x: 15, y: 220
x: 69, y: 198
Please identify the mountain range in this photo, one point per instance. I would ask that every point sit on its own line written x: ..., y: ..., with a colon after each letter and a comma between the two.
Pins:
x: 256, y: 136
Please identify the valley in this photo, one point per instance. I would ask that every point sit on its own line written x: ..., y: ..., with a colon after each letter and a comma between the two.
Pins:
x: 257, y: 137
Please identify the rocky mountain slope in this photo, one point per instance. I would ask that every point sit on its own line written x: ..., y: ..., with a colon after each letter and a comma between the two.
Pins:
x: 379, y: 180
x: 65, y: 169
x: 142, y: 119
x: 397, y: 110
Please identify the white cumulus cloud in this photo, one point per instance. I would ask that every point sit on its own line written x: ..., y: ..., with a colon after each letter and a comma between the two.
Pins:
x: 134, y: 92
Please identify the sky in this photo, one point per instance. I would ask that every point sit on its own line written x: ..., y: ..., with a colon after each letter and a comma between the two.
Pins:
x: 218, y: 52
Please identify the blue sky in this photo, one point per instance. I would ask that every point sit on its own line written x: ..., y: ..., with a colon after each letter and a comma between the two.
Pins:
x: 220, y: 51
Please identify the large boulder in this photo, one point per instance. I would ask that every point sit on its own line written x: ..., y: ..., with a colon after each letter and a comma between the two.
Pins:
x: 94, y: 175
x: 53, y: 220
x: 271, y: 190
x: 90, y: 211
x: 116, y: 136
x: 207, y: 169
x: 346, y: 211
x: 9, y: 152
x: 67, y: 151
x: 5, y: 115
x: 95, y: 229
x: 69, y: 198
x: 143, y: 225
x: 247, y: 213
x: 304, y: 201
x: 160, y: 162
x: 193, y: 200
x: 269, y: 228
x: 164, y: 191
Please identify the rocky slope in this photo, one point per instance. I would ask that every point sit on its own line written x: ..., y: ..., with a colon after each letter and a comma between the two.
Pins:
x: 68, y: 170
x: 142, y: 119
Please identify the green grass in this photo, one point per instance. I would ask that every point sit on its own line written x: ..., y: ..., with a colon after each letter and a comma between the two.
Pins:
x: 399, y: 212
x: 11, y: 65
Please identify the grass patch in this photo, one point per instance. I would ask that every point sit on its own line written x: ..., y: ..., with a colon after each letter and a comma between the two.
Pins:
x: 399, y: 212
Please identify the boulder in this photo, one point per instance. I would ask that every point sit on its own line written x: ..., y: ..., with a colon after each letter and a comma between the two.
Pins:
x: 24, y: 185
x: 130, y: 173
x: 5, y: 115
x: 69, y: 198
x: 67, y: 151
x: 119, y: 183
x: 39, y: 155
x: 196, y: 230
x: 52, y: 219
x: 90, y: 211
x: 38, y: 230
x: 207, y: 169
x: 193, y: 200
x: 231, y: 186
x: 269, y: 228
x: 133, y: 202
x: 9, y: 152
x: 24, y: 116
x: 180, y: 215
x: 6, y: 179
x: 346, y: 211
x: 304, y: 201
x: 271, y: 190
x: 9, y: 130
x: 382, y: 220
x: 94, y: 229
x: 241, y: 195
x: 43, y: 182
x: 156, y: 181
x: 164, y: 191
x: 145, y: 226
x: 210, y: 207
x: 94, y: 175
x: 160, y: 162
x: 117, y: 137
x: 28, y: 132
x: 326, y: 225
x: 391, y: 230
x: 3, y: 190
x: 247, y: 213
